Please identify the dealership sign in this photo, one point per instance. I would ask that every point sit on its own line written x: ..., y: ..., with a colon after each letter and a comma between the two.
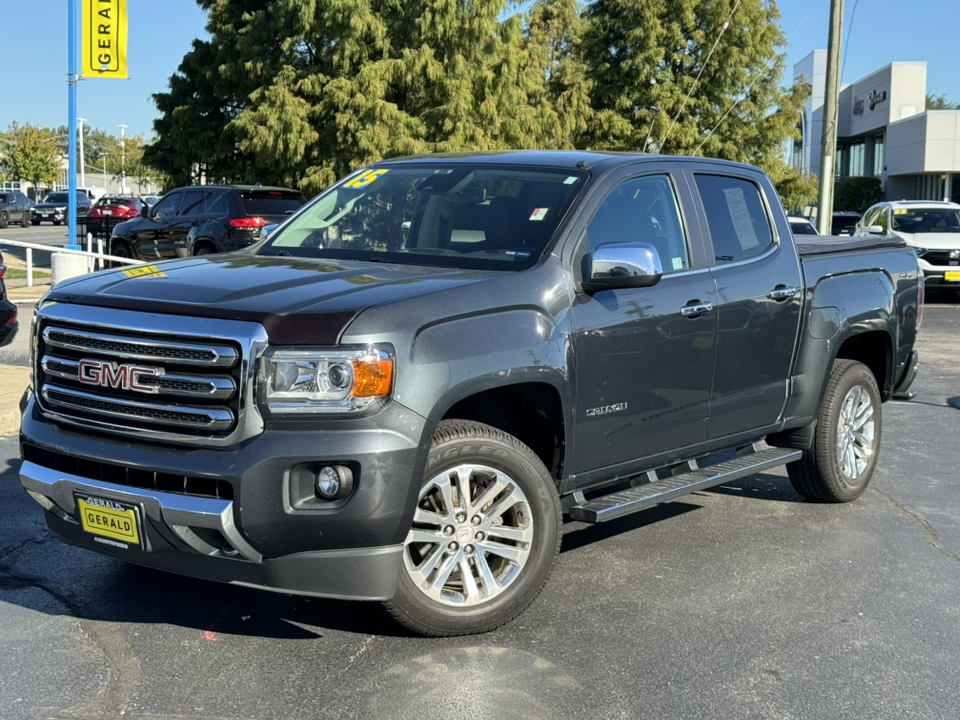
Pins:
x: 104, y: 48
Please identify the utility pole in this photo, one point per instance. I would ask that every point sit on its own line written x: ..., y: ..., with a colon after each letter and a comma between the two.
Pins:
x: 83, y: 176
x: 828, y: 142
x: 123, y: 174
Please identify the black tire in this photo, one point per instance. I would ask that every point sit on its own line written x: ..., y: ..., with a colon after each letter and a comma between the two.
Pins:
x: 57, y: 222
x: 840, y: 464
x: 204, y: 250
x: 479, y: 589
x: 119, y: 248
x: 4, y: 220
x: 35, y: 221
x: 25, y: 219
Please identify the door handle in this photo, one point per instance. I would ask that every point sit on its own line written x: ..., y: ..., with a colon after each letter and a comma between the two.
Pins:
x: 696, y: 310
x: 783, y: 293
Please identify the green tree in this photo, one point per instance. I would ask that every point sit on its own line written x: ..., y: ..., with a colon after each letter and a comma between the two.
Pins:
x: 31, y: 153
x: 694, y: 78
x: 940, y: 102
x: 856, y: 194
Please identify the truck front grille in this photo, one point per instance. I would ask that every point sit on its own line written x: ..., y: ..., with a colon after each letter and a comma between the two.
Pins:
x: 148, y: 375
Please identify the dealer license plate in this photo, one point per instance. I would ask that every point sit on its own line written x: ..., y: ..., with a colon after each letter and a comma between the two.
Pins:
x: 952, y: 276
x: 109, y: 519
x: 45, y: 214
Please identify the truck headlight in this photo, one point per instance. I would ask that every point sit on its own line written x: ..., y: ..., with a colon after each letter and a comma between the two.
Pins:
x: 344, y: 380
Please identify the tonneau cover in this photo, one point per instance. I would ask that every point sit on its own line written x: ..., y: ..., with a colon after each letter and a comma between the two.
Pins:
x: 819, y: 244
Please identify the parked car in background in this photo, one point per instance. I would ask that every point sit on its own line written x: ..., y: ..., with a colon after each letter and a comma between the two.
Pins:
x: 150, y: 200
x: 801, y: 226
x: 931, y: 227
x: 54, y: 207
x: 844, y: 223
x: 204, y: 219
x: 8, y: 311
x: 15, y: 207
x: 113, y: 209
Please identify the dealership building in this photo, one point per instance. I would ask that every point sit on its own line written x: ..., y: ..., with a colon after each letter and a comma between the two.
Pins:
x: 883, y: 131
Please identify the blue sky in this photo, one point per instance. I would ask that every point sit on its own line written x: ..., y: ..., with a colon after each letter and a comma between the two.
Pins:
x: 34, y: 42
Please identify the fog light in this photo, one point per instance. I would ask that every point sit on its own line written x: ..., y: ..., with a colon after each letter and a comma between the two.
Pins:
x: 334, y: 482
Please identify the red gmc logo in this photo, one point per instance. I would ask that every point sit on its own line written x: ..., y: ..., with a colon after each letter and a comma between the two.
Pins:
x: 120, y: 377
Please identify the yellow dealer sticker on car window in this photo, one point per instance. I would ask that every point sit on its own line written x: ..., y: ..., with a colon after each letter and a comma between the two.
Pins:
x: 365, y: 179
x: 900, y: 211
x: 144, y: 271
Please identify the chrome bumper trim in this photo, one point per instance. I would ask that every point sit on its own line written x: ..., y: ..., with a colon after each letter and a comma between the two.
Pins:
x: 55, y: 491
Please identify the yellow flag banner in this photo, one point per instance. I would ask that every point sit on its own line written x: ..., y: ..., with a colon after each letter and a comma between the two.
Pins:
x: 104, y: 46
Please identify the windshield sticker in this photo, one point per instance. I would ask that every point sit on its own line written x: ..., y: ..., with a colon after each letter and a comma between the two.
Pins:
x: 144, y: 271
x: 677, y: 263
x: 518, y: 253
x: 571, y: 180
x: 900, y: 211
x: 740, y: 215
x: 365, y: 179
x: 539, y: 213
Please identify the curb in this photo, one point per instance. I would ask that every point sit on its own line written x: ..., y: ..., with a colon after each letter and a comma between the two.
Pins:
x: 14, y: 381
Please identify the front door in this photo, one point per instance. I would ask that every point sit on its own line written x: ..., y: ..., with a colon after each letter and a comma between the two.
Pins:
x: 643, y: 364
x: 191, y: 211
x: 151, y: 233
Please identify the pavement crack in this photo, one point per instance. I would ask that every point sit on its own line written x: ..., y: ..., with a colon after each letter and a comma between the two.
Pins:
x: 926, y: 528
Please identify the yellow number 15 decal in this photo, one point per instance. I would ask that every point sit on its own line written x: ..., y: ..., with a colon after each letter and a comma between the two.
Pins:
x: 365, y: 179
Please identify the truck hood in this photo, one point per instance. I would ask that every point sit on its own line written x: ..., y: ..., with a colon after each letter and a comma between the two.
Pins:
x: 300, y: 301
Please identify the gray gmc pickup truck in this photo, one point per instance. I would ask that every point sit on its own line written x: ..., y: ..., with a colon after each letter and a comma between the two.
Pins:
x: 404, y: 390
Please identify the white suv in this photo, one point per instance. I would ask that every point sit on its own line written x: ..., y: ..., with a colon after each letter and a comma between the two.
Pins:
x: 932, y: 228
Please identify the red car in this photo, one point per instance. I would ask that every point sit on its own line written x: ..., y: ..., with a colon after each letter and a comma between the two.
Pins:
x: 110, y: 210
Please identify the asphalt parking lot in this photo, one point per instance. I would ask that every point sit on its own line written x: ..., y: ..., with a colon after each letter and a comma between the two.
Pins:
x: 741, y: 602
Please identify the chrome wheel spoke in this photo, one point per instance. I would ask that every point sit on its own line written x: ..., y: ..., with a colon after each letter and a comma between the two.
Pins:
x: 470, y: 590
x: 518, y: 535
x: 426, y: 517
x: 418, y: 535
x: 421, y: 573
x: 487, y: 496
x: 514, y: 554
x: 486, y: 575
x: 444, y: 573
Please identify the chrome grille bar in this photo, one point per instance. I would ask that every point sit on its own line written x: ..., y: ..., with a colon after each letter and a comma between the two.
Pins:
x: 173, y: 384
x: 211, y: 419
x: 145, y: 349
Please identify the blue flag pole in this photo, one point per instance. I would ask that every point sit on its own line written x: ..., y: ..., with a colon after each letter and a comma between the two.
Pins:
x: 72, y: 78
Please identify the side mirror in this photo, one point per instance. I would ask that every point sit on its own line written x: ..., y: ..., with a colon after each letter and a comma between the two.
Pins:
x: 623, y: 265
x: 875, y: 230
x: 267, y: 229
x: 144, y: 211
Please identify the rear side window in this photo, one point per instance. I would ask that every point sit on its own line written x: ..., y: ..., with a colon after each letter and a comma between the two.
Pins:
x: 270, y: 202
x: 193, y: 202
x: 738, y: 222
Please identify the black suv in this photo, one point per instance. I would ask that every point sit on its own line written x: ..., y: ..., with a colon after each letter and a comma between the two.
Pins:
x: 14, y: 207
x: 204, y: 219
x: 54, y: 207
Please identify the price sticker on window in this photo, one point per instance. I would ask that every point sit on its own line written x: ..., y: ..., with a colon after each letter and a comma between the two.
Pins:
x: 365, y: 179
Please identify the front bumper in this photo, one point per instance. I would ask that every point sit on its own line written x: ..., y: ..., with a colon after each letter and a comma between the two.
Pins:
x: 8, y: 322
x: 261, y: 536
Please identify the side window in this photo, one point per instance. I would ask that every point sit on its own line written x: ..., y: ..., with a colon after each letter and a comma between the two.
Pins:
x: 193, y: 202
x: 643, y: 209
x: 738, y: 222
x: 869, y: 218
x: 169, y: 205
x: 216, y: 204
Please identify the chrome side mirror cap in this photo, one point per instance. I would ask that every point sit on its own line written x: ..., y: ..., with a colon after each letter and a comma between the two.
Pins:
x: 623, y: 265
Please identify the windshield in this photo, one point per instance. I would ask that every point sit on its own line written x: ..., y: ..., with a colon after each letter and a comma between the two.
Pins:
x: 926, y: 220
x: 478, y: 216
x: 56, y: 198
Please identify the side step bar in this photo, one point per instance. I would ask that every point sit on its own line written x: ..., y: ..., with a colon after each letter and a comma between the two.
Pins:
x: 624, y: 502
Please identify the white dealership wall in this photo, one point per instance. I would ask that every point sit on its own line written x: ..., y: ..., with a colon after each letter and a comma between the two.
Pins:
x: 885, y: 112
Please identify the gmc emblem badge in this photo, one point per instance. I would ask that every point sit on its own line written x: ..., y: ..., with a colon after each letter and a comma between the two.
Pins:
x: 119, y: 377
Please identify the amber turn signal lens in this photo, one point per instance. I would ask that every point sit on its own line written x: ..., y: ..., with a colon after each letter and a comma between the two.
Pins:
x: 372, y: 378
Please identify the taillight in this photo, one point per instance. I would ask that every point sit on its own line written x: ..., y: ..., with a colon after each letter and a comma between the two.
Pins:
x: 3, y: 271
x: 248, y: 222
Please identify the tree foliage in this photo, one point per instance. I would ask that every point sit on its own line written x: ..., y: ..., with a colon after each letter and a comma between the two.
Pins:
x: 300, y: 92
x: 31, y: 153
x: 940, y: 102
x: 857, y: 194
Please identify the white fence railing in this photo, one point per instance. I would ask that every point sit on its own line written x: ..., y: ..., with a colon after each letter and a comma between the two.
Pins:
x: 95, y: 260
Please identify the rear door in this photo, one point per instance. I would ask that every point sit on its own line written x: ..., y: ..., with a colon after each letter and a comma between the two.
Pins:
x: 644, y: 362
x: 759, y: 295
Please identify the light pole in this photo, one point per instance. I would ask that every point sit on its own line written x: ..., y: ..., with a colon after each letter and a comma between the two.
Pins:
x: 83, y: 176
x: 103, y: 157
x: 123, y: 175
